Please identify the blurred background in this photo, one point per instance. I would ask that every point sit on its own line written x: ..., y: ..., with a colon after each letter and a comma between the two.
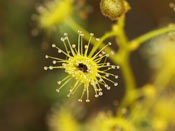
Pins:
x: 27, y: 92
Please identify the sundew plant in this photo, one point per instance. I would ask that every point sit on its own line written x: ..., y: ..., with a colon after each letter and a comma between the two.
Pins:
x: 88, y: 63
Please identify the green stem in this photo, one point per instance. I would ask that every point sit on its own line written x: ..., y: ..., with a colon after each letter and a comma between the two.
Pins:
x: 127, y: 73
x: 138, y: 41
x: 130, y: 90
x: 124, y: 53
x: 119, y: 29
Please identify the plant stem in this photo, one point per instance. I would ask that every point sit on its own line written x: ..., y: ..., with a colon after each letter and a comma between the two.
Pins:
x: 124, y: 54
x: 121, y: 39
x: 138, y: 41
x: 127, y: 73
x: 130, y: 90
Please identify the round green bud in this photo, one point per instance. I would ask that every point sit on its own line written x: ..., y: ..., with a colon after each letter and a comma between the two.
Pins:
x: 113, y: 8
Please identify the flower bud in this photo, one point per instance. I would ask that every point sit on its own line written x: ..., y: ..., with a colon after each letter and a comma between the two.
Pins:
x: 114, y: 8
